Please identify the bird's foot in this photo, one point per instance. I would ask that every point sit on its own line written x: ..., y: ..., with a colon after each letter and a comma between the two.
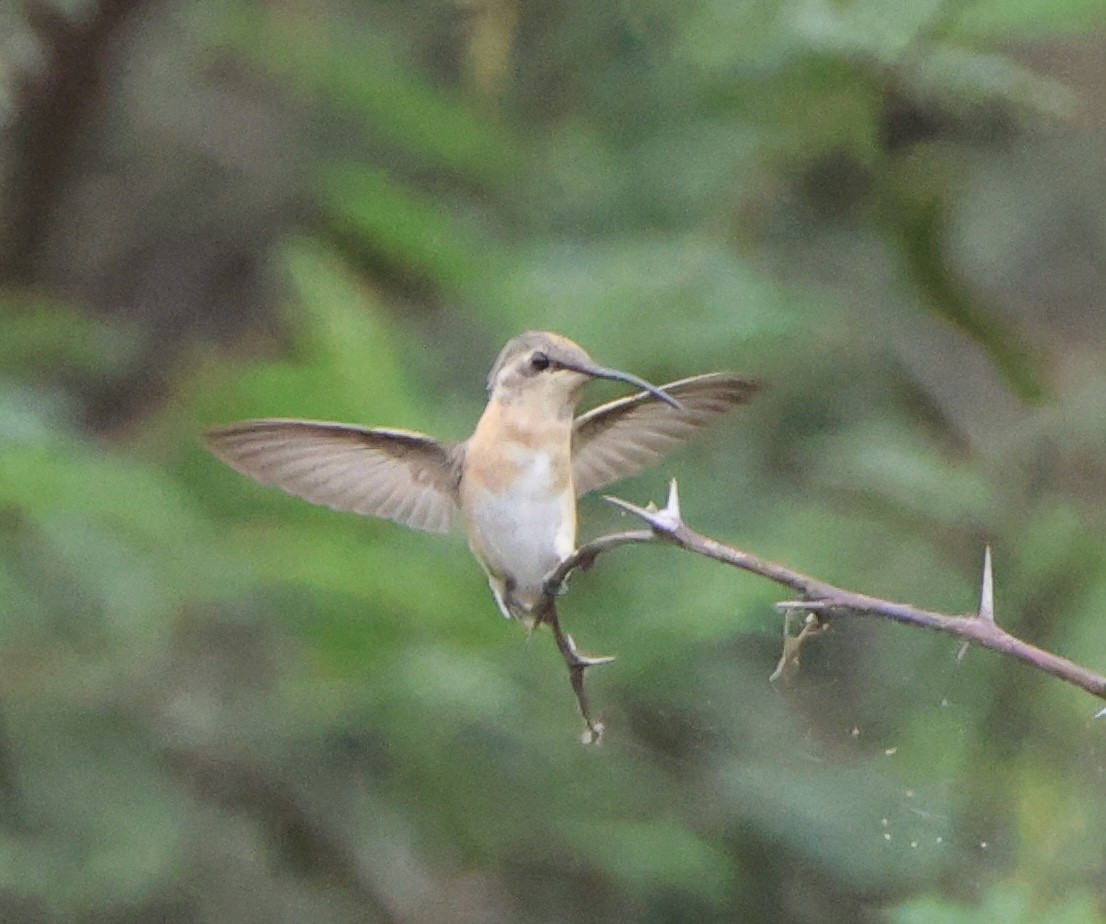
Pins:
x: 552, y: 588
x: 583, y: 560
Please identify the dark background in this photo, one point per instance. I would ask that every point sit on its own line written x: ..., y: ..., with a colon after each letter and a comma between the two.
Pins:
x: 218, y: 704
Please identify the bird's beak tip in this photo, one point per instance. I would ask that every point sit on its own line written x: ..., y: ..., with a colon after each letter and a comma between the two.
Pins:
x: 617, y: 375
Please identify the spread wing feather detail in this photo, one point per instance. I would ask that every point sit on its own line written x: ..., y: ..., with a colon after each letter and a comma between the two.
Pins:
x: 621, y: 438
x: 393, y: 474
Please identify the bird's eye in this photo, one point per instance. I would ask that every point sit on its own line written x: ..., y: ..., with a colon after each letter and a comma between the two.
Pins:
x: 539, y: 362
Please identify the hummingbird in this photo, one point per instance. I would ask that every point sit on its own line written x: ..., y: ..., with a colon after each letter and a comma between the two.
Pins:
x: 515, y: 481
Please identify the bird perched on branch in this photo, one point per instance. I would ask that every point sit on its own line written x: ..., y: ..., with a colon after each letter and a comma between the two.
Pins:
x: 515, y: 481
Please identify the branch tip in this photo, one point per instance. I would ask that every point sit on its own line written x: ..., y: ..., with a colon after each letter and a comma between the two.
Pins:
x: 672, y: 505
x: 593, y: 734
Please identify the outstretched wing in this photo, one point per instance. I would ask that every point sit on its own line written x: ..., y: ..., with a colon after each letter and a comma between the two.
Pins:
x: 623, y: 437
x: 393, y: 474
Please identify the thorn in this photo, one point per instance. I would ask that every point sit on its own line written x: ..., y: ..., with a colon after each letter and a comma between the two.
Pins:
x: 672, y: 505
x: 575, y: 659
x: 1100, y: 714
x: 627, y: 506
x: 987, y: 595
x: 582, y: 660
x: 962, y: 652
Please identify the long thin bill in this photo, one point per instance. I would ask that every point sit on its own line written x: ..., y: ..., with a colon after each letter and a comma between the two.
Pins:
x: 599, y: 372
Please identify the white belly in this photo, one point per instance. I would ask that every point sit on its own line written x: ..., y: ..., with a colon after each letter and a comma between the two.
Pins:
x: 523, y: 533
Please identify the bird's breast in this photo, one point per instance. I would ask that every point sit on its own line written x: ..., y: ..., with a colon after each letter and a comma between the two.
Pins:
x: 519, y: 504
x: 519, y: 453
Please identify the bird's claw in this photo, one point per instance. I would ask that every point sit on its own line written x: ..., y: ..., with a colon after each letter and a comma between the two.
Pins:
x: 552, y: 588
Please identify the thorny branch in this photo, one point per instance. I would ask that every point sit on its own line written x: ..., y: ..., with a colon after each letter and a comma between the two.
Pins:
x: 814, y: 597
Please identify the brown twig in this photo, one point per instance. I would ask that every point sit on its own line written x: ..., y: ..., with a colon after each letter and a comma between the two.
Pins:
x: 824, y: 600
x: 577, y: 664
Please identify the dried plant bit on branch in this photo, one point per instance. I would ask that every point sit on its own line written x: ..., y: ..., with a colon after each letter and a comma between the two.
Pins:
x: 788, y: 665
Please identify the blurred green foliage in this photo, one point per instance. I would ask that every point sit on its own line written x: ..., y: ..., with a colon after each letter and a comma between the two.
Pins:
x: 221, y: 704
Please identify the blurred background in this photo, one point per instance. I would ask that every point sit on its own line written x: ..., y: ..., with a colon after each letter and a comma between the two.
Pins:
x: 219, y: 704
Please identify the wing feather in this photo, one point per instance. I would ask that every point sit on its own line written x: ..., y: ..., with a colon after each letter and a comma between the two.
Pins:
x: 394, y: 474
x: 623, y: 437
